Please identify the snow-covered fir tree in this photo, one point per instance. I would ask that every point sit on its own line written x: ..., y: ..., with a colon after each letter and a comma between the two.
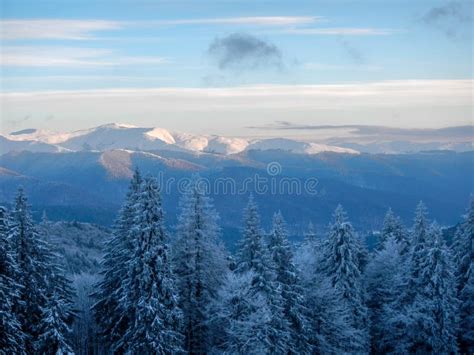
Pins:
x: 343, y: 259
x: 287, y: 277
x: 466, y: 323
x: 331, y: 330
x: 393, y: 228
x: 435, y: 306
x: 11, y: 335
x: 399, y: 318
x: 423, y: 316
x: 383, y: 284
x: 52, y: 339
x: 39, y: 274
x: 199, y: 263
x: 111, y: 319
x: 463, y: 249
x: 239, y: 317
x: 150, y: 296
x: 253, y: 255
x: 421, y: 242
x: 307, y: 254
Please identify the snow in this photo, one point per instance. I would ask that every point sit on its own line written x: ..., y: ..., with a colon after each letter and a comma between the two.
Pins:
x: 161, y: 134
x: 125, y: 136
x: 298, y: 147
x: 224, y: 145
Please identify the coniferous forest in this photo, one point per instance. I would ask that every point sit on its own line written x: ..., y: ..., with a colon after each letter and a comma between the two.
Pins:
x: 181, y: 291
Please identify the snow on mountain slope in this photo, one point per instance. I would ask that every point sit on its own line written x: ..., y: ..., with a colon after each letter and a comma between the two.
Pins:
x: 121, y: 136
x: 226, y: 146
x: 210, y: 144
x: 119, y: 163
x: 161, y: 134
x: 115, y: 136
x: 191, y: 142
x: 8, y: 145
x: 297, y: 146
x: 39, y: 135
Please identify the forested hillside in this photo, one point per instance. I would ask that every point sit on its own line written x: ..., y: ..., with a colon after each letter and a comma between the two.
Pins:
x: 144, y: 288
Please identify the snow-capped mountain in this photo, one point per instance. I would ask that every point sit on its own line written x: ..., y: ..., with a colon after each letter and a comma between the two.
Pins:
x: 297, y: 146
x: 122, y: 136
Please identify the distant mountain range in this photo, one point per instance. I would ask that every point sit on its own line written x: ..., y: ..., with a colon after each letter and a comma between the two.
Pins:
x: 120, y: 136
x: 84, y: 176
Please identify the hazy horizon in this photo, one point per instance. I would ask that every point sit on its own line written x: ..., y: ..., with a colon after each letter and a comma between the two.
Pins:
x: 221, y: 68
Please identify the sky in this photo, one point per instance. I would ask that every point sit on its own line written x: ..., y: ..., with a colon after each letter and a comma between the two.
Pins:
x: 234, y: 67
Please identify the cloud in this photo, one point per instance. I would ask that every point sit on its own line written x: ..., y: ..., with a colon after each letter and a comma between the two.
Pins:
x: 373, y: 131
x: 419, y: 103
x: 347, y: 31
x: 257, y: 20
x: 378, y: 138
x: 450, y: 18
x: 46, y: 56
x: 240, y: 51
x: 54, y: 29
x: 323, y: 67
x: 60, y: 29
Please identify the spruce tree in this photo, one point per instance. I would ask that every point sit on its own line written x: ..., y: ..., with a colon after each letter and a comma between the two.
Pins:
x: 421, y: 241
x: 399, y: 318
x: 287, y: 277
x: 199, y: 262
x: 239, y: 318
x: 39, y: 275
x: 53, y: 333
x: 32, y: 269
x: 466, y: 329
x: 435, y: 306
x: 330, y: 326
x: 11, y: 335
x: 111, y: 319
x: 463, y: 249
x: 393, y: 228
x: 343, y: 258
x: 254, y: 256
x: 382, y: 278
x: 150, y: 295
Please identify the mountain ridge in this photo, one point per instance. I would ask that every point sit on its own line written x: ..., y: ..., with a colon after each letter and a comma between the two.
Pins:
x: 123, y: 136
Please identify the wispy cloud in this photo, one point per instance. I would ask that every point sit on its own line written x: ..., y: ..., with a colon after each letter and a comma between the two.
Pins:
x: 255, y: 20
x: 27, y: 56
x: 244, y: 51
x: 338, y: 31
x: 324, y: 66
x: 54, y: 29
x: 371, y: 131
x: 60, y: 29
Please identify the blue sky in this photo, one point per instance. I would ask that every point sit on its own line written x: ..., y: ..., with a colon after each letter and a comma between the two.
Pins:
x: 187, y: 65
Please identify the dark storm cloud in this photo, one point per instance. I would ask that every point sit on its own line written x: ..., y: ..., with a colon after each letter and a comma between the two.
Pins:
x: 451, y: 18
x: 245, y: 52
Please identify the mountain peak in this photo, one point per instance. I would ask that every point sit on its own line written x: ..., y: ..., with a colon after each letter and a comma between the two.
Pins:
x: 113, y: 136
x: 117, y: 125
